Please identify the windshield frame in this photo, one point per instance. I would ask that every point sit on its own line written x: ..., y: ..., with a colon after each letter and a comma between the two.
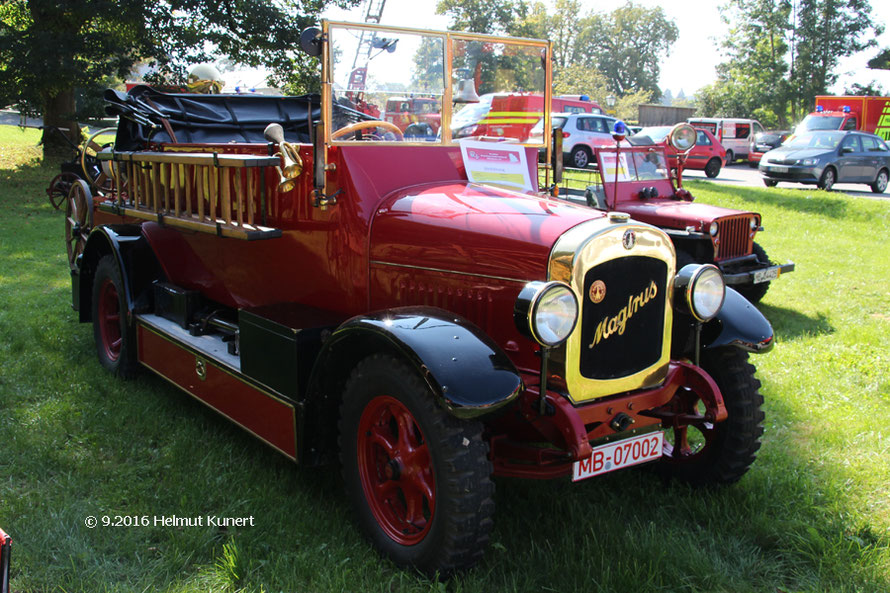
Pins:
x: 449, y: 38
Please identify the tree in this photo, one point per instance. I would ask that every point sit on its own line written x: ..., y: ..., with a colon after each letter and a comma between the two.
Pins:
x: 824, y: 32
x: 494, y: 17
x: 780, y: 54
x: 627, y: 46
x: 49, y: 48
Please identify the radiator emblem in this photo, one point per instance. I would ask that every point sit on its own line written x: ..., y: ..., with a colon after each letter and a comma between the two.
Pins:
x: 629, y: 239
x: 597, y: 292
x: 617, y: 324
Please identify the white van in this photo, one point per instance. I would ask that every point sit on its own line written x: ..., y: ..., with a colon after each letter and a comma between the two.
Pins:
x: 733, y: 133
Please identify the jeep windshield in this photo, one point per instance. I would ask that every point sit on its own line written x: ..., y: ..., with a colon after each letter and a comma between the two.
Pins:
x: 369, y: 67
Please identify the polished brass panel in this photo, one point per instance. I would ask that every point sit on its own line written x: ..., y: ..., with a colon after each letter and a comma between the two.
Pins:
x: 584, y: 247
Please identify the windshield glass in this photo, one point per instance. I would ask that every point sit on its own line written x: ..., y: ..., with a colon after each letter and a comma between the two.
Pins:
x: 820, y: 122
x: 401, y: 80
x: 375, y: 70
x: 656, y: 134
x: 826, y: 140
x: 636, y: 165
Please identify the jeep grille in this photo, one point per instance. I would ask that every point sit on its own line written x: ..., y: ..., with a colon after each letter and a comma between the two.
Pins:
x: 733, y: 238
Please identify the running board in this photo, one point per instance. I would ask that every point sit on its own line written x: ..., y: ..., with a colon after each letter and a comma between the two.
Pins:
x: 202, y: 367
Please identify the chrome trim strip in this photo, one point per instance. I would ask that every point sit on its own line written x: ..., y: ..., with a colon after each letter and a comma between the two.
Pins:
x: 440, y: 270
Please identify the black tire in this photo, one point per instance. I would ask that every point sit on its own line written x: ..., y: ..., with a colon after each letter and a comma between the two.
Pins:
x: 115, y: 340
x: 712, y: 168
x: 828, y: 179
x: 880, y: 182
x: 580, y: 157
x: 770, y: 182
x: 730, y: 157
x: 756, y: 292
x: 448, y: 459
x: 752, y: 164
x: 729, y: 447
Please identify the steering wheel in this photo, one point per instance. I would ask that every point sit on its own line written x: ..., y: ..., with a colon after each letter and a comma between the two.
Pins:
x: 96, y: 172
x: 364, y: 125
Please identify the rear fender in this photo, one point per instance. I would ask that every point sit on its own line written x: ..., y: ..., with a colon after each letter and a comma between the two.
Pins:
x: 738, y: 324
x: 135, y: 259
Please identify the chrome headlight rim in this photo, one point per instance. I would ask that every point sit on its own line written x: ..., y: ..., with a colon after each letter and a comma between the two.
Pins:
x: 528, y: 307
x: 690, y: 279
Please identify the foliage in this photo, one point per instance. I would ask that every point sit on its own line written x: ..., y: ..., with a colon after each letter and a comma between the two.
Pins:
x: 627, y: 107
x: 811, y: 516
x: 47, y: 49
x: 593, y: 53
x: 881, y: 61
x: 780, y: 54
x: 577, y: 79
x: 627, y: 45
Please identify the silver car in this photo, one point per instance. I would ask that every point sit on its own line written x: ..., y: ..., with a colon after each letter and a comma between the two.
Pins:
x: 582, y: 133
x: 828, y: 157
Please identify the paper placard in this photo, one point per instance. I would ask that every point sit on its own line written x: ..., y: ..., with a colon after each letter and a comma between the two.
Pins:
x: 496, y: 164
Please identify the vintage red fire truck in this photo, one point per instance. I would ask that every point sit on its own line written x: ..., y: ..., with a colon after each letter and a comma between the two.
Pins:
x: 343, y: 292
x: 866, y: 114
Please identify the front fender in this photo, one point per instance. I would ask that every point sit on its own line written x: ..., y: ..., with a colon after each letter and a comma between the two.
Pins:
x: 468, y: 374
x: 738, y: 324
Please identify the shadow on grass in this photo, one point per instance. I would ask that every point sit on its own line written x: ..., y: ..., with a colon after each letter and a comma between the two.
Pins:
x: 790, y: 324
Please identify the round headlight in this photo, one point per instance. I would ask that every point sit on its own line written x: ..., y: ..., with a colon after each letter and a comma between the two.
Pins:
x: 714, y: 229
x: 703, y: 290
x: 682, y: 137
x: 706, y: 293
x: 753, y: 224
x: 546, y: 312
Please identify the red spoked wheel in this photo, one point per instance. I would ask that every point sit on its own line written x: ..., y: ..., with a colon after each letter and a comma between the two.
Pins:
x: 109, y: 318
x: 115, y: 341
x: 395, y: 469
x: 419, y: 478
x: 709, y: 453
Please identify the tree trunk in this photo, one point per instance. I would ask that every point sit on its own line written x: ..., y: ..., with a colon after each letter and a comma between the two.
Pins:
x: 61, y: 134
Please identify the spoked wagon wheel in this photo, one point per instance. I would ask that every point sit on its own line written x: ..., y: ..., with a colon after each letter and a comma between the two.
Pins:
x: 78, y: 219
x: 707, y: 453
x: 59, y: 187
x: 95, y: 171
x: 419, y: 479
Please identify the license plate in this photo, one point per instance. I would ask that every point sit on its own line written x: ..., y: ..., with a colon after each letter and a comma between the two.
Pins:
x: 779, y: 169
x: 766, y: 275
x: 625, y: 453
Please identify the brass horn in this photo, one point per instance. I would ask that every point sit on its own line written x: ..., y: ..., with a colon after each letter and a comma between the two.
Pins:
x: 293, y: 164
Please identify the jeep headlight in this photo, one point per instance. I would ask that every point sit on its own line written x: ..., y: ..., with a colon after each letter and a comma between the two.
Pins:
x: 546, y: 312
x: 700, y: 289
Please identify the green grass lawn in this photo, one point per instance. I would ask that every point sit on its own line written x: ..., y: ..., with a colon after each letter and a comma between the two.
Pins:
x: 813, y: 514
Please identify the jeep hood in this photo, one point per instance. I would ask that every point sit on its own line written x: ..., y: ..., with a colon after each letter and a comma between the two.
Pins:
x: 673, y: 214
x: 472, y: 229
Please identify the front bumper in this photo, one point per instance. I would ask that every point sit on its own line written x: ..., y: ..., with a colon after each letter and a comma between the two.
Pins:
x: 573, y: 430
x: 755, y: 274
x: 794, y: 173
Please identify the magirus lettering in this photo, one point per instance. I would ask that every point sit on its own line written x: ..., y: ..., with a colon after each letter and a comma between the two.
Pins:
x: 610, y: 326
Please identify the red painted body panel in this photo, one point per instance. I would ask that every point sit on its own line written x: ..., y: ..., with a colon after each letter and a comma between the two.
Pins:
x: 322, y: 258
x: 699, y: 155
x: 677, y: 214
x: 259, y: 413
